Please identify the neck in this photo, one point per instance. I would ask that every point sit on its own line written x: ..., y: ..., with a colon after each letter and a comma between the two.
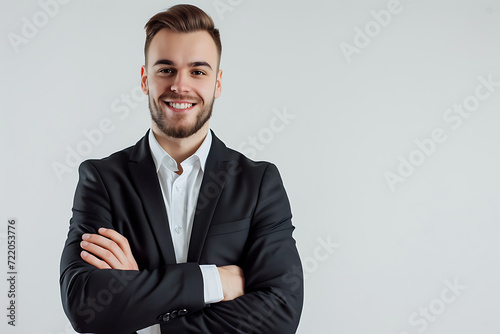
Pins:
x: 180, y: 148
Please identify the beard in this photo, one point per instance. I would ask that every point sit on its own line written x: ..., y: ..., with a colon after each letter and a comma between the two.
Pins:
x: 175, y: 130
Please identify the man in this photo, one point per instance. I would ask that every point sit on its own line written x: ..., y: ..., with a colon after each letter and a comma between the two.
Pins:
x: 178, y: 233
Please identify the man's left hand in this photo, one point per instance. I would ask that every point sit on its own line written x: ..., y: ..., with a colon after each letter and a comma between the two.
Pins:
x: 111, y: 247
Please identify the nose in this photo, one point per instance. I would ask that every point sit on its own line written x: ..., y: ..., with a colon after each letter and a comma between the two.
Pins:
x: 180, y: 84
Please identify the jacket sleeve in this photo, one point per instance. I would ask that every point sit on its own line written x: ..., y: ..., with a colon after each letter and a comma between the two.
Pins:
x: 111, y: 300
x: 273, y: 275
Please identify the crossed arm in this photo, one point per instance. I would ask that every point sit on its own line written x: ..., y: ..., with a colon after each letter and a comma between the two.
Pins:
x: 110, y: 250
x: 103, y: 291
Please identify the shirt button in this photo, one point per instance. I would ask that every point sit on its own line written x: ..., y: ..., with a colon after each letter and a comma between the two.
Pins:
x: 171, y: 162
x: 178, y: 229
x: 178, y: 187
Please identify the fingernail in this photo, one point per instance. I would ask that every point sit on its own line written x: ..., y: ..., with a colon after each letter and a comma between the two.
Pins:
x: 102, y: 230
x: 84, y: 243
x: 84, y: 253
x: 85, y: 236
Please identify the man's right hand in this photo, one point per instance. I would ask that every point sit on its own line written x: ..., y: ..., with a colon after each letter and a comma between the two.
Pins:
x: 232, y: 281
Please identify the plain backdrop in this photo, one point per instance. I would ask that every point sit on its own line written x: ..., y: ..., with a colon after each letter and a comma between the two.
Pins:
x: 375, y: 112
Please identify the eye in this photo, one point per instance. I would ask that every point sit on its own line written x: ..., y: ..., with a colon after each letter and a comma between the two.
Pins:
x: 198, y: 72
x: 165, y: 70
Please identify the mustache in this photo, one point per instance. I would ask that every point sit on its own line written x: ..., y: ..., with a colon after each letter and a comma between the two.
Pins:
x: 174, y: 96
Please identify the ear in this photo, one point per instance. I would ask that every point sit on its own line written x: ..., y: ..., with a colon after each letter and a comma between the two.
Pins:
x: 144, y: 80
x: 218, y: 84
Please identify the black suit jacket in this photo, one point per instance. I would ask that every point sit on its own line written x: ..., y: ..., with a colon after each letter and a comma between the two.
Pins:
x: 242, y: 217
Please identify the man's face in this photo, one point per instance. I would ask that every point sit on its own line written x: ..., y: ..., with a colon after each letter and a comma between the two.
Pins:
x: 182, y: 81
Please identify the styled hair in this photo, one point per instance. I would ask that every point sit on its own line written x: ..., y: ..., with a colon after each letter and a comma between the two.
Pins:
x: 181, y: 18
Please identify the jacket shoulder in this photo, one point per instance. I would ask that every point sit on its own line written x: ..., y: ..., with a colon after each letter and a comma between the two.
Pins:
x: 248, y: 167
x: 244, y: 161
x: 115, y: 160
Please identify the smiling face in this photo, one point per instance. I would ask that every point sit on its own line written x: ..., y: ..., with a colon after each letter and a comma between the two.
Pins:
x: 182, y: 79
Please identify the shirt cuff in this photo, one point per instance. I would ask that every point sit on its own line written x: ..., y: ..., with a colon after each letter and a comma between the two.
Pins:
x: 155, y: 329
x: 212, y: 287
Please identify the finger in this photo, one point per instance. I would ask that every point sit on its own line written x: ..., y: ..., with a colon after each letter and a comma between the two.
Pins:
x: 129, y: 262
x: 105, y: 255
x: 120, y: 247
x: 118, y: 238
x: 106, y: 244
x: 92, y: 260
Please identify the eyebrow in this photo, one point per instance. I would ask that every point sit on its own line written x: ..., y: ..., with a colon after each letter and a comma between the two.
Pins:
x: 191, y: 64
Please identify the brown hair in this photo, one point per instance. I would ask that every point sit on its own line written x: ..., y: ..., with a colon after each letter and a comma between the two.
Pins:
x: 181, y: 18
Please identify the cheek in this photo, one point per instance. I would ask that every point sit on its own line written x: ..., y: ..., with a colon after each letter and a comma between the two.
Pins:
x: 158, y: 85
x: 206, y: 93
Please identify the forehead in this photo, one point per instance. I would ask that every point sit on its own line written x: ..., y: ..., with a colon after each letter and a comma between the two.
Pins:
x: 183, y: 48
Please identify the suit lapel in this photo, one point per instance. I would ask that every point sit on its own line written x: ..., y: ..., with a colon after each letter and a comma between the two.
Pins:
x: 214, y: 178
x: 142, y: 169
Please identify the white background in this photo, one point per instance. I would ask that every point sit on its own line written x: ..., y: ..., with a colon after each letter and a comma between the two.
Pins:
x: 354, y: 118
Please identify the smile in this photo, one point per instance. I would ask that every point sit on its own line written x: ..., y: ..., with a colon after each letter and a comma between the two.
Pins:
x: 180, y: 105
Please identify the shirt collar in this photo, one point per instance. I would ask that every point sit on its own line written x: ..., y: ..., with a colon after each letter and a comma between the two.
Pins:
x: 160, y: 156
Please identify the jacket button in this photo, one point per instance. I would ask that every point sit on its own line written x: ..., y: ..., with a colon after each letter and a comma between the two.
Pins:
x: 173, y: 314
x: 182, y: 312
x: 166, y: 317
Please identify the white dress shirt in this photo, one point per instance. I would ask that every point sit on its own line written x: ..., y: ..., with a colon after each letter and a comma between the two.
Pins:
x: 180, y: 194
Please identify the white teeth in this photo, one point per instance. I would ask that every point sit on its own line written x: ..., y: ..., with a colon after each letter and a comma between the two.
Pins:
x: 180, y: 105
